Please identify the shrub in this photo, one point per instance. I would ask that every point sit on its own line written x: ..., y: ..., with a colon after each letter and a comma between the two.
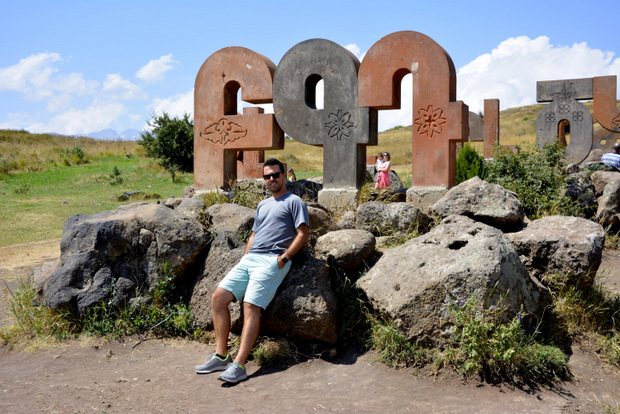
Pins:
x: 469, y: 164
x: 537, y: 176
x: 171, y: 141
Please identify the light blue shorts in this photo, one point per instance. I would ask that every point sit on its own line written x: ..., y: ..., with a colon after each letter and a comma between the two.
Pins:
x: 255, y: 278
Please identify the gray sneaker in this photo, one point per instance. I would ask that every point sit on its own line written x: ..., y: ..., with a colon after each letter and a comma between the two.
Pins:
x: 215, y: 363
x: 234, y: 373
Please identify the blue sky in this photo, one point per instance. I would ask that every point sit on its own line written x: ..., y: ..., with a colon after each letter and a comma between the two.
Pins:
x: 77, y: 67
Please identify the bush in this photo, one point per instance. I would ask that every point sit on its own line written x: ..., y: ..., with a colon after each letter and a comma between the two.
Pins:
x: 537, y: 176
x: 171, y: 141
x: 469, y: 164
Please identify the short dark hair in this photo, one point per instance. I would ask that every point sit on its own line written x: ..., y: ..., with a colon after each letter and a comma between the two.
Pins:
x: 274, y: 161
x: 616, y: 147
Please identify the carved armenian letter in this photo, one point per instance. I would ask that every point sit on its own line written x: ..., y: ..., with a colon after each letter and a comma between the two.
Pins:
x: 219, y: 131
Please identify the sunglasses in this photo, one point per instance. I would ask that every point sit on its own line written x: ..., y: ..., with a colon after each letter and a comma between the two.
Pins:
x: 275, y: 175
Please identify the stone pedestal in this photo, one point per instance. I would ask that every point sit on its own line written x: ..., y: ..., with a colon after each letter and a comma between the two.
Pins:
x: 425, y: 197
x: 339, y: 200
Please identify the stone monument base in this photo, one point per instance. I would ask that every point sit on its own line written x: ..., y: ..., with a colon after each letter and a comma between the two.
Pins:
x: 425, y: 197
x: 339, y: 200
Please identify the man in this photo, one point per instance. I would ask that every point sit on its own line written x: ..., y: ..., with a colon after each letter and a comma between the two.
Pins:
x: 281, y: 229
x: 612, y: 158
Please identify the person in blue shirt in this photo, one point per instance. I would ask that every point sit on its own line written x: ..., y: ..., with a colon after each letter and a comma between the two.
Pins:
x: 612, y: 158
x: 281, y: 228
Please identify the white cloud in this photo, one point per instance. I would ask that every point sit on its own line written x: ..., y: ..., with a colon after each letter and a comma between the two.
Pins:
x: 510, y: 72
x: 37, y: 78
x: 81, y: 121
x: 120, y: 88
x: 155, y: 70
x: 175, y: 106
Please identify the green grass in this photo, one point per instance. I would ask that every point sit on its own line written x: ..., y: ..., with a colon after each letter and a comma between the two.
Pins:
x: 35, y: 206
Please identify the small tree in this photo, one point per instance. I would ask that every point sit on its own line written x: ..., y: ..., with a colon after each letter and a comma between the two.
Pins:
x: 469, y: 164
x: 171, y: 141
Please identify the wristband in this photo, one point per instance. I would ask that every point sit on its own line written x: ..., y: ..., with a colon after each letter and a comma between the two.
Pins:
x: 284, y: 259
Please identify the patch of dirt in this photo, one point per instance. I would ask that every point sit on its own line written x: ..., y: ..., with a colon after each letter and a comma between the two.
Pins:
x: 95, y: 375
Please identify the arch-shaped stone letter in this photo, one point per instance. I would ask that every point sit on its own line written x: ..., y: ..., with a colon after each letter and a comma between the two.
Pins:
x: 219, y: 131
x: 606, y: 113
x: 439, y: 121
x: 564, y: 106
x: 342, y: 128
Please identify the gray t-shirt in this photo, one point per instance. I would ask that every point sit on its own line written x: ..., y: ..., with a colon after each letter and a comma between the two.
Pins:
x: 276, y: 222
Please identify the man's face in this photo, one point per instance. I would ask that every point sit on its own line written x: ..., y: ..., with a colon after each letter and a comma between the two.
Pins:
x: 275, y: 184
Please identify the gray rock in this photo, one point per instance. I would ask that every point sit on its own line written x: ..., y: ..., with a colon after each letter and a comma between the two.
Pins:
x: 388, y: 218
x: 232, y: 217
x: 416, y: 284
x: 345, y: 248
x: 305, y: 305
x: 321, y: 221
x: 119, y: 254
x: 580, y: 190
x: 347, y: 221
x: 600, y: 179
x: 425, y: 197
x: 608, y: 213
x: 191, y: 207
x: 226, y: 251
x: 568, y: 247
x: 485, y: 202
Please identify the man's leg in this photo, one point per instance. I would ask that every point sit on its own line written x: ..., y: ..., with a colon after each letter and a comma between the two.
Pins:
x: 221, y: 298
x: 251, y: 327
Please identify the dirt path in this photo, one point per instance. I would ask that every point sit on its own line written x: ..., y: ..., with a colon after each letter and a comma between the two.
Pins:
x: 102, y: 377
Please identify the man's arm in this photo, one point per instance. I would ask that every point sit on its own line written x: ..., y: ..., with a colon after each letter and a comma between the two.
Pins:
x: 300, y: 240
x: 249, y: 243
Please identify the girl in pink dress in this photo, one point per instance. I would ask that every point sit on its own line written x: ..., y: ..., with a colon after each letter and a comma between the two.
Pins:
x: 384, y: 172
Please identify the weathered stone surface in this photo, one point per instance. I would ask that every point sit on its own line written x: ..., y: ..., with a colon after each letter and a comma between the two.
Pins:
x: 191, y: 207
x: 485, y: 202
x: 339, y: 200
x: 119, y: 254
x: 386, y: 218
x: 345, y: 248
x: 580, y: 190
x: 219, y: 130
x: 305, y: 306
x: 425, y: 197
x: 415, y: 284
x: 565, y: 108
x: 226, y: 251
x: 438, y: 119
x: 608, y: 213
x: 233, y: 217
x: 347, y: 221
x: 343, y: 127
x: 307, y: 189
x: 568, y: 247
x: 321, y: 220
x: 600, y: 179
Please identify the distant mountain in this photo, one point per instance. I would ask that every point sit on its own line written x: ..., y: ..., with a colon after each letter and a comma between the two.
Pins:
x: 127, y: 135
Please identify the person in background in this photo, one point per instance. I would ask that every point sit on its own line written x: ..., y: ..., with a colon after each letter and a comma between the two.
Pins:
x: 612, y: 158
x: 384, y: 172
x: 290, y: 175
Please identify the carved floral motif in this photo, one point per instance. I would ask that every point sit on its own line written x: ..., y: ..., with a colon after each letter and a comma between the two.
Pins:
x: 430, y: 121
x: 223, y: 132
x: 339, y: 125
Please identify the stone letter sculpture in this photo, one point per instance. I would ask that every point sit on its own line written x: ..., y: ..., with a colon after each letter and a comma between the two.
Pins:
x: 439, y: 121
x: 342, y: 128
x: 606, y: 113
x: 565, y: 107
x: 219, y: 131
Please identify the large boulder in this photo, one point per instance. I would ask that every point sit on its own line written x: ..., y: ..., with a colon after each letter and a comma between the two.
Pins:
x: 608, y: 213
x: 345, y: 248
x: 416, y: 284
x: 225, y: 252
x: 580, y: 190
x: 600, y: 179
x: 568, y: 247
x: 232, y: 217
x: 488, y: 203
x: 304, y: 306
x: 390, y: 218
x: 119, y: 254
